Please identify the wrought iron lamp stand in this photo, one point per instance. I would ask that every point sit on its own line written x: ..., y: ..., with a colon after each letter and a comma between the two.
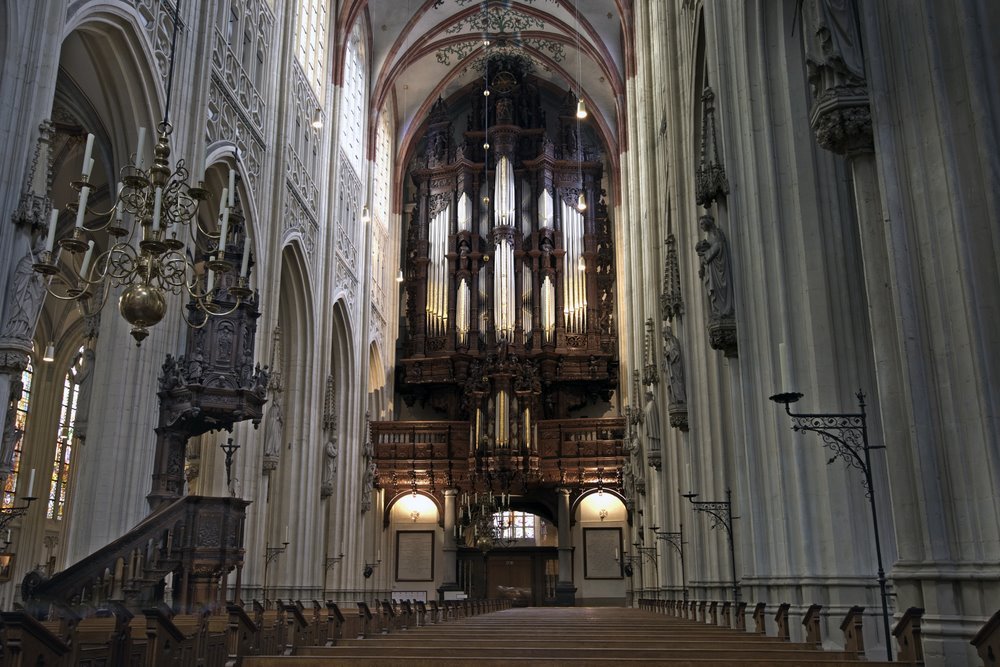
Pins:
x: 846, y: 435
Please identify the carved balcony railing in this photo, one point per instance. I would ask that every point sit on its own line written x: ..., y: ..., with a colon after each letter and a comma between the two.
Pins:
x: 434, y: 455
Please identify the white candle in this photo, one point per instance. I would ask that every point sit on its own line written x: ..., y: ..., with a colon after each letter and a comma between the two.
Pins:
x: 616, y: 553
x: 87, y: 162
x: 86, y: 258
x: 51, y: 238
x: 31, y: 484
x: 223, y: 200
x: 157, y: 205
x: 118, y: 202
x: 286, y: 534
x: 784, y: 362
x: 232, y: 188
x: 211, y: 282
x: 246, y: 257
x: 223, y: 232
x: 90, y: 168
x: 81, y: 208
x: 139, y: 146
x: 687, y: 475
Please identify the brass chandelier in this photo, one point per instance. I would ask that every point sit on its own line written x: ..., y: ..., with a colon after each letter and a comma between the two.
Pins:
x: 151, y: 227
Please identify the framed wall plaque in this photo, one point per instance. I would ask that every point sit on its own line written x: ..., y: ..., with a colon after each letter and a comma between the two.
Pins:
x: 415, y: 555
x: 602, y: 548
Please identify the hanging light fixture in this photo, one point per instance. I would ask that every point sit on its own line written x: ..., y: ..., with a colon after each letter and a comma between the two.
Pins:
x: 50, y: 352
x: 399, y: 276
x: 581, y: 110
x: 317, y: 119
x: 147, y: 256
x: 365, y: 214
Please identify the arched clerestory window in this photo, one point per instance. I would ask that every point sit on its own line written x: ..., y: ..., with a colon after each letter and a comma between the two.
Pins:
x: 62, y: 460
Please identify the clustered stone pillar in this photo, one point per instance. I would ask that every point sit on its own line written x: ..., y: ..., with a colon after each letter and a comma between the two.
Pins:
x: 565, y: 590
x: 450, y: 576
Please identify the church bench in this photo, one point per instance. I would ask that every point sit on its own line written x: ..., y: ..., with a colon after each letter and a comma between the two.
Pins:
x: 810, y: 622
x: 334, y: 624
x: 987, y: 641
x: 365, y: 616
x: 781, y: 620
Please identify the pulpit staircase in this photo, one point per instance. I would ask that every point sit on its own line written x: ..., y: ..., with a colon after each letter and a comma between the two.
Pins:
x: 196, y: 539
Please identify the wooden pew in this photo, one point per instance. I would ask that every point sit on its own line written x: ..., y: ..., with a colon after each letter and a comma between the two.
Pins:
x: 741, y: 616
x: 701, y: 611
x: 296, y: 628
x: 421, y: 614
x: 811, y: 623
x: 27, y: 642
x: 758, y: 619
x: 907, y: 634
x: 727, y: 616
x: 781, y: 620
x: 713, y: 612
x: 987, y: 641
x: 166, y: 644
x: 387, y: 617
x: 334, y: 624
x: 365, y: 615
x: 435, y: 611
x: 407, y: 615
x: 242, y: 635
x: 854, y: 637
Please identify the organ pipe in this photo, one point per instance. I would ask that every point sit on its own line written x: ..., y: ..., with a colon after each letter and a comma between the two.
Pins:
x: 503, y: 271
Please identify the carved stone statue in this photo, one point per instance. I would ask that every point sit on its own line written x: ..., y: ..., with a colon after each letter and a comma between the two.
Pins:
x: 274, y: 433
x: 841, y: 116
x: 84, y: 380
x: 716, y: 270
x: 832, y: 44
x: 24, y: 298
x: 673, y: 366
x: 329, y: 466
x: 651, y: 421
x: 368, y: 456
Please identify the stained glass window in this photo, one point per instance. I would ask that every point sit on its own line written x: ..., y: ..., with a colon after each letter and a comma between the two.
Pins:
x: 64, y: 440
x: 20, y: 420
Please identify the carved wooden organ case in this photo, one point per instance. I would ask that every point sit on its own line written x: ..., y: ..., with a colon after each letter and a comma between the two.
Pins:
x: 508, y: 321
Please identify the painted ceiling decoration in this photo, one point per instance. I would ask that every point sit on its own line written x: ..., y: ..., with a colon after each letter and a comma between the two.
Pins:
x: 428, y: 49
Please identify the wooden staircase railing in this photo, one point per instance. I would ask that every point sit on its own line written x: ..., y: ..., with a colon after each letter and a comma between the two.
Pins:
x: 194, y: 537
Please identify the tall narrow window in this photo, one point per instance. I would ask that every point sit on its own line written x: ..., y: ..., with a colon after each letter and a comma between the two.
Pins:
x: 353, y: 108
x: 64, y: 440
x: 310, y: 42
x: 20, y: 419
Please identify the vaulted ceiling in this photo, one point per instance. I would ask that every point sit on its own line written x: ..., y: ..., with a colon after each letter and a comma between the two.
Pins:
x: 423, y: 49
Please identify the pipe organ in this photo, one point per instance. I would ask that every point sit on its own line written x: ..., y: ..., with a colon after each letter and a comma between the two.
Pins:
x: 509, y: 288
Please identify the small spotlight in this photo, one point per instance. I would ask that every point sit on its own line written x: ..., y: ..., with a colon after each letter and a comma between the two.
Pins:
x: 317, y: 121
x: 581, y: 108
x: 50, y: 352
x: 399, y: 276
x: 486, y: 93
x: 581, y: 202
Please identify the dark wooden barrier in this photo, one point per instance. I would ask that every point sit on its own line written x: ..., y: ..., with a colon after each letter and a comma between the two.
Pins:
x: 987, y: 641
x: 811, y: 623
x: 781, y: 620
x: 907, y: 634
x: 758, y: 619
x: 854, y: 637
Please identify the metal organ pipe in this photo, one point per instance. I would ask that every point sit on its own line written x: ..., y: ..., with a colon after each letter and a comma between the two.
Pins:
x: 503, y: 276
x: 437, y: 274
x: 574, y: 288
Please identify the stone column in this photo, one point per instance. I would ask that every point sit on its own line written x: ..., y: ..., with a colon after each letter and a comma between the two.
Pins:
x: 449, y: 580
x: 565, y: 590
